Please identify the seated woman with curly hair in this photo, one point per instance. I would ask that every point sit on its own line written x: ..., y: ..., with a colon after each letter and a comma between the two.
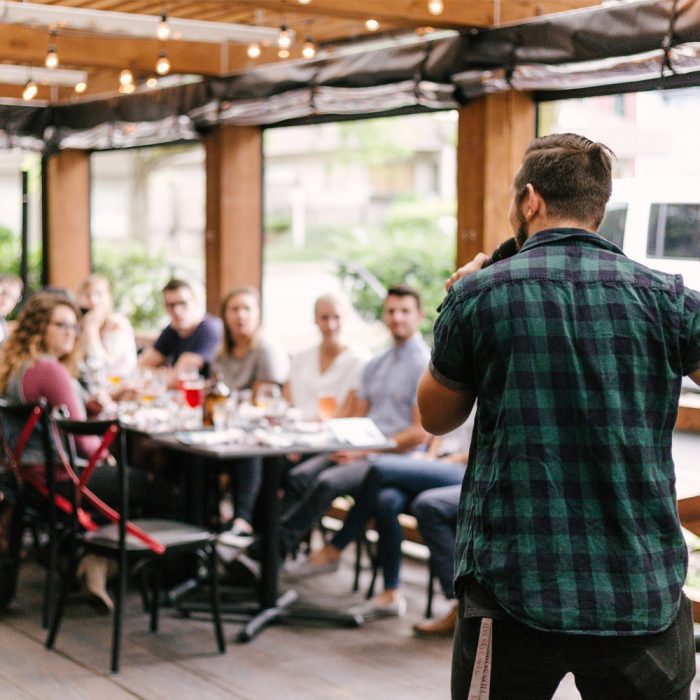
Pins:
x: 40, y: 359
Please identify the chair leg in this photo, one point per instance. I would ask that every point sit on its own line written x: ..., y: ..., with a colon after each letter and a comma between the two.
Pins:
x: 215, y: 602
x: 55, y: 622
x: 118, y: 613
x: 431, y: 586
x: 358, y: 564
x: 375, y: 569
x: 50, y: 579
x: 155, y: 595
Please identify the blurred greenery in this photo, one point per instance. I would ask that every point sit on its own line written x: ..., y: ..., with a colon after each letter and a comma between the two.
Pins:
x: 137, y: 277
x: 415, y: 246
x: 10, y: 253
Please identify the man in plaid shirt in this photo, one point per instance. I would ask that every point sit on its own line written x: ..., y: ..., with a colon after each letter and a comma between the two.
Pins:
x: 570, y: 556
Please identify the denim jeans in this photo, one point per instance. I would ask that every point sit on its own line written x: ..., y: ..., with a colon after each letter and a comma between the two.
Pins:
x: 312, y: 487
x: 246, y: 480
x: 528, y: 664
x: 390, y: 487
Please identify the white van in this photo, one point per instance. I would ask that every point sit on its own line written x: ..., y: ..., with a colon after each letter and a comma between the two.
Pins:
x: 656, y: 221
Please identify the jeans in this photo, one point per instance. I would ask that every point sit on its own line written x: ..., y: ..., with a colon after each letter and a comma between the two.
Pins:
x: 390, y: 487
x: 246, y: 480
x: 528, y: 664
x: 311, y: 488
x: 436, y: 511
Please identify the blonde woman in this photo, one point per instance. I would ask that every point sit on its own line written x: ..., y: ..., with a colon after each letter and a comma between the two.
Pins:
x: 108, y: 338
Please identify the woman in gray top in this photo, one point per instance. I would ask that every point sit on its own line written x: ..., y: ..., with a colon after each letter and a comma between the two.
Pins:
x: 245, y: 361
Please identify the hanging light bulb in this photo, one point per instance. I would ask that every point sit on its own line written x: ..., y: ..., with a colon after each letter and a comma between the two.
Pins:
x: 436, y: 7
x: 127, y: 89
x: 309, y: 48
x: 254, y: 50
x: 126, y: 77
x: 163, y: 64
x: 29, y: 91
x: 152, y: 82
x: 372, y: 25
x: 163, y: 30
x: 80, y: 87
x: 304, y: 2
x: 51, y: 60
x: 283, y: 53
x: 284, y: 41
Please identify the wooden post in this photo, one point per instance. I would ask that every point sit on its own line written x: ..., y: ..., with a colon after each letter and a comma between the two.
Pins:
x: 493, y: 133
x: 233, y: 245
x: 67, y: 241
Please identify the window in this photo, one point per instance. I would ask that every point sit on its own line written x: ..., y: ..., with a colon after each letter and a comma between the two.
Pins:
x: 674, y: 231
x: 613, y: 226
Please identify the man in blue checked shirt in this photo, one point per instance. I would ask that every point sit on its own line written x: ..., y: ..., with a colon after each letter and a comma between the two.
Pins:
x: 570, y: 556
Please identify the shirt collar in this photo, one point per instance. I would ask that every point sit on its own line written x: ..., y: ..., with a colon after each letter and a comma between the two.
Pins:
x: 557, y: 235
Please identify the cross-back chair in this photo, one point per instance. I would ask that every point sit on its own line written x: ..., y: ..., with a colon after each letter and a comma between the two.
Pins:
x: 19, y: 422
x: 143, y: 542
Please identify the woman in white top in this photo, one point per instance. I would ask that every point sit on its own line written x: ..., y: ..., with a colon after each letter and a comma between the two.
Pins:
x: 107, y: 336
x: 331, y: 368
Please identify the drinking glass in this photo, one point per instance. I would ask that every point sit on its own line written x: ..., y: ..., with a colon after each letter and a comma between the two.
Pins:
x: 194, y: 393
x: 327, y: 406
x: 266, y: 396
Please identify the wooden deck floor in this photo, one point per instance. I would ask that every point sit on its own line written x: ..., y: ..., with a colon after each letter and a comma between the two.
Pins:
x: 382, y: 660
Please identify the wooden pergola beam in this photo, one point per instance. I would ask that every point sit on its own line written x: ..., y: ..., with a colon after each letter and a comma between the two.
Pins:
x: 493, y: 132
x: 233, y: 244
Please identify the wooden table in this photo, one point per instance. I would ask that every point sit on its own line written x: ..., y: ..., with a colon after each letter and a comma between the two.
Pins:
x: 270, y: 606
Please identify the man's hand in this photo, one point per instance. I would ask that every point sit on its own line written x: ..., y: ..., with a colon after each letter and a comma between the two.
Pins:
x: 345, y: 456
x: 476, y: 264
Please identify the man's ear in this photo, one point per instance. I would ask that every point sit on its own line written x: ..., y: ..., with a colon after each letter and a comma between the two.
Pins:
x: 532, y: 204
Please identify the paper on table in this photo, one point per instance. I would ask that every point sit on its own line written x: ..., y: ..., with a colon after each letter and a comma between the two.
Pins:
x: 210, y: 437
x: 357, y: 432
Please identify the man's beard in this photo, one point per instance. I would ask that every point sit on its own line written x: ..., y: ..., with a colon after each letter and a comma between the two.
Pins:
x: 521, y: 233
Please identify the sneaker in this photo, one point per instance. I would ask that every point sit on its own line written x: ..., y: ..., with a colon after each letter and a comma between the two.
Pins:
x: 303, y: 568
x: 371, y: 609
x: 437, y: 627
x: 236, y: 537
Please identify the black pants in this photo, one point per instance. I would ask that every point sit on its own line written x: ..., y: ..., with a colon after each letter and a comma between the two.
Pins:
x: 528, y: 664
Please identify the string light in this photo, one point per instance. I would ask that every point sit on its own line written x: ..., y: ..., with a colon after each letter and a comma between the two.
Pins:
x: 29, y: 91
x: 254, y: 50
x: 283, y: 53
x: 436, y: 7
x: 309, y: 48
x: 284, y: 41
x: 152, y: 82
x: 163, y: 30
x: 127, y: 89
x: 304, y: 2
x: 126, y: 77
x: 372, y: 25
x: 51, y: 60
x: 80, y: 87
x: 163, y: 64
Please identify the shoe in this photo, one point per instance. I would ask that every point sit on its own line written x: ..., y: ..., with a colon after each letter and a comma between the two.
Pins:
x: 370, y: 609
x: 437, y: 627
x: 304, y: 568
x: 95, y: 570
x: 236, y: 537
x: 238, y: 570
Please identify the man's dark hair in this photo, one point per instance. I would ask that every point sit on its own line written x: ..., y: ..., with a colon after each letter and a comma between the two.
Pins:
x: 404, y: 290
x: 176, y: 283
x: 571, y: 173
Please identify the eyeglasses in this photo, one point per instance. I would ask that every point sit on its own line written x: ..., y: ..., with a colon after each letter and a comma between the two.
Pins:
x: 172, y: 305
x: 66, y: 326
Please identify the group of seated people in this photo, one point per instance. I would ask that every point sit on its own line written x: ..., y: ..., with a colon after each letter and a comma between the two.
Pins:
x: 55, y: 340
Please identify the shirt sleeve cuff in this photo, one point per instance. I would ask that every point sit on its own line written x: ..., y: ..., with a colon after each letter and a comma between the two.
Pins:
x: 446, y: 381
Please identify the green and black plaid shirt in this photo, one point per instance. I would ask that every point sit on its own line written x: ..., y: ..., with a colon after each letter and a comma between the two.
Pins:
x: 568, y: 511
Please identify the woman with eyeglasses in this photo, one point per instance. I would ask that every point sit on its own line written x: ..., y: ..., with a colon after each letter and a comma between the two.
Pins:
x: 40, y: 359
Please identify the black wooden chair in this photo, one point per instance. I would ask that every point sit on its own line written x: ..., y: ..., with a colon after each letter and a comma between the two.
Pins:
x: 18, y: 423
x: 139, y: 543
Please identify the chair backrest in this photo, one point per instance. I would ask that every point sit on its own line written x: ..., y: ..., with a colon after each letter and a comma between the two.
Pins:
x: 113, y: 441
x: 24, y: 425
